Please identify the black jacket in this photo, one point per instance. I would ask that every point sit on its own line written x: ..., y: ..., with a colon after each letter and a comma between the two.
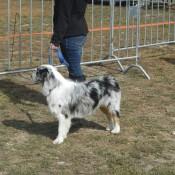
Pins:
x: 68, y: 19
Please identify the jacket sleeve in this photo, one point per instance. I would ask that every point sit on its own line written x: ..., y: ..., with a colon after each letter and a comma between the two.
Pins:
x: 61, y: 18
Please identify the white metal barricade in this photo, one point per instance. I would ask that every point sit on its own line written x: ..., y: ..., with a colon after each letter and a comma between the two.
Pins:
x: 26, y: 27
x: 117, y: 30
x: 125, y: 34
x: 157, y: 24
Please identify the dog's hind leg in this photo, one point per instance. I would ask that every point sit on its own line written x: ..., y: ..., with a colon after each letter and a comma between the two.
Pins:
x: 116, y: 124
x: 115, y: 112
x: 63, y: 129
x: 110, y: 125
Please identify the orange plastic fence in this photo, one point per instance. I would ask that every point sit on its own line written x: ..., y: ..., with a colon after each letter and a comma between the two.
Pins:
x: 3, y: 38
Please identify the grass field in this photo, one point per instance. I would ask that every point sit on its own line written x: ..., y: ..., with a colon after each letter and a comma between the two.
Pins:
x: 145, y: 145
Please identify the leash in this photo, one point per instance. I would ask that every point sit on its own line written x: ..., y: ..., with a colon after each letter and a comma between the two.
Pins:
x: 59, y: 55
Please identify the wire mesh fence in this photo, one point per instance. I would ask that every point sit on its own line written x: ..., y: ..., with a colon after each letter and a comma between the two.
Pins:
x: 117, y: 28
x: 157, y: 22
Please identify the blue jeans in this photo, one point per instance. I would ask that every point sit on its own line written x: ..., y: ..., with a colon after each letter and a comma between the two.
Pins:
x: 72, y: 50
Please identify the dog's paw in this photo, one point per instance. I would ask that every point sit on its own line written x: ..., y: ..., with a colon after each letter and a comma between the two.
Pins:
x: 116, y: 130
x: 109, y: 127
x: 58, y: 140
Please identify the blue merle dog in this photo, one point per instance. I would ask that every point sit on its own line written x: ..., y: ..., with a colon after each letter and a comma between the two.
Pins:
x: 67, y: 99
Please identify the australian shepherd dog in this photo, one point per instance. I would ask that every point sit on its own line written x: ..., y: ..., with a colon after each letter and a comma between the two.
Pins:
x: 68, y: 99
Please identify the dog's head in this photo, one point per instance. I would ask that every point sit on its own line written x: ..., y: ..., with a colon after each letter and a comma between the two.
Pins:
x: 43, y: 73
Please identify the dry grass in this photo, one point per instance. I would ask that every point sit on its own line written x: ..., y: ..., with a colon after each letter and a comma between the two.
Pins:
x: 145, y: 145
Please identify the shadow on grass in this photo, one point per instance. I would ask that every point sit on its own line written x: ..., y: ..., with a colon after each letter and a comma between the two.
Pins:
x: 17, y: 92
x: 49, y: 129
x: 169, y: 60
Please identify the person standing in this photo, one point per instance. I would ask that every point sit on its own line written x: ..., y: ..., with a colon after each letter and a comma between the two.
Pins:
x: 69, y: 33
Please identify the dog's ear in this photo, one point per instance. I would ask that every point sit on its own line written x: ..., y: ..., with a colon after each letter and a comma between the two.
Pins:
x: 44, y: 73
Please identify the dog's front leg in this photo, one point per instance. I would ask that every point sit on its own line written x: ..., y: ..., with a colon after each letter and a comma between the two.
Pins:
x: 63, y: 128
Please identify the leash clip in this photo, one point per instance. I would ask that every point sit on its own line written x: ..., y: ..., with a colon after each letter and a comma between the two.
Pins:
x: 60, y: 57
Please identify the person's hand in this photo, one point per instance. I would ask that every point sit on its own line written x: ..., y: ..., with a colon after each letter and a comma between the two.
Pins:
x: 53, y: 47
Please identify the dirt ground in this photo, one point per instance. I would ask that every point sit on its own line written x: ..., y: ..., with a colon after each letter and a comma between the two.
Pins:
x: 145, y: 146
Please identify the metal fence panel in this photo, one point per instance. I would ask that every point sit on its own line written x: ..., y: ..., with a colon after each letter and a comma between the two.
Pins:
x: 125, y: 35
x: 157, y: 25
x: 25, y: 33
x: 117, y: 30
